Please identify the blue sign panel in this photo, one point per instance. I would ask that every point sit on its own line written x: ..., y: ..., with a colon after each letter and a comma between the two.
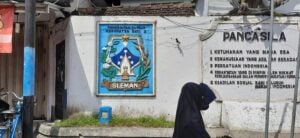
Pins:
x: 126, y: 59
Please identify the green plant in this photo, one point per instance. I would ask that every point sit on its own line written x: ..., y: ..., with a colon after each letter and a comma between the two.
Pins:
x: 144, y: 121
x: 120, y: 121
x: 78, y: 121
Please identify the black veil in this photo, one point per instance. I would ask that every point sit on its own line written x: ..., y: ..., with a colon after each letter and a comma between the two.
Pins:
x: 193, y: 98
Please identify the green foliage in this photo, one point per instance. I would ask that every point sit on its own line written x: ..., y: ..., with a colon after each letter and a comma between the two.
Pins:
x: 144, y: 121
x: 117, y: 121
x: 113, y: 50
x: 82, y: 121
x: 143, y: 71
x: 103, y: 56
x: 110, y: 72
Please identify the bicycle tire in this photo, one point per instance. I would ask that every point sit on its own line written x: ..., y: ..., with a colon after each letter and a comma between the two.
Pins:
x: 18, y: 132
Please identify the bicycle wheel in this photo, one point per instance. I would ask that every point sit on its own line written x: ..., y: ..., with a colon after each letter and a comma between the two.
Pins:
x: 18, y: 132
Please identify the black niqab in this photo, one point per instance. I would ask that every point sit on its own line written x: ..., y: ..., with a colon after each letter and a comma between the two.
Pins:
x: 189, y: 122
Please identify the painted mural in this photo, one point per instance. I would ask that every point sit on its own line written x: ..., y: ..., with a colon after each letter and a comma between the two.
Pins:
x: 126, y: 59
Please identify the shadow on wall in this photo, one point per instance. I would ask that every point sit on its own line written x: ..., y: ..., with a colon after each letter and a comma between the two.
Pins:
x: 80, y: 73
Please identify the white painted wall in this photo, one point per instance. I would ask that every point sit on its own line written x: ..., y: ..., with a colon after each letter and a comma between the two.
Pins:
x: 289, y: 6
x: 172, y: 71
x: 212, y: 7
x: 170, y: 74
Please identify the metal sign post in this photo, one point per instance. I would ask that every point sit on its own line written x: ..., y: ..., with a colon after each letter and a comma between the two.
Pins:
x: 29, y: 68
x: 295, y: 91
x: 269, y: 72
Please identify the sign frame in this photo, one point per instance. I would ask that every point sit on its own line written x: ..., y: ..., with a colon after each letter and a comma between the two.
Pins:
x: 123, y: 85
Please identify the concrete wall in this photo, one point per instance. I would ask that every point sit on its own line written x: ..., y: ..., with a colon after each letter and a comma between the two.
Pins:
x: 57, y: 35
x: 222, y: 7
x: 173, y: 69
x: 81, y: 66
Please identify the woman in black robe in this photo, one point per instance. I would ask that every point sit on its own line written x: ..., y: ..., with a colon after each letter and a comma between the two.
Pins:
x: 193, y: 98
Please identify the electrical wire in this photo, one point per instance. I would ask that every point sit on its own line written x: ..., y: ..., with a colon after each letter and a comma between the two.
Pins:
x: 205, y: 29
x: 197, y: 29
x: 55, y: 1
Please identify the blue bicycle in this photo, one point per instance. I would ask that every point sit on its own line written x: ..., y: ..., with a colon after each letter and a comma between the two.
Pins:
x: 11, y: 118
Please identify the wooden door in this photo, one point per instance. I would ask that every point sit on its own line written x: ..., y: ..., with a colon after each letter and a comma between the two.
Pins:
x: 11, y: 68
x: 60, y: 92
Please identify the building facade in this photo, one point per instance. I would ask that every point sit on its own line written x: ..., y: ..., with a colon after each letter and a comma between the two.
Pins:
x: 135, y: 57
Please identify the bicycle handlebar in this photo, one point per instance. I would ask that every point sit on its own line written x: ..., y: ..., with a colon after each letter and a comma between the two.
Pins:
x: 14, y: 94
